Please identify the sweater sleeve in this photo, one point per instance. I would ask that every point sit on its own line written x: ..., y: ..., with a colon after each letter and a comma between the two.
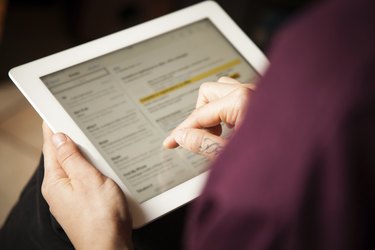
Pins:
x: 299, y: 173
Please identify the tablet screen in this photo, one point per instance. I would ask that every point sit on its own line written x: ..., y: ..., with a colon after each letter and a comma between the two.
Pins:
x: 126, y: 102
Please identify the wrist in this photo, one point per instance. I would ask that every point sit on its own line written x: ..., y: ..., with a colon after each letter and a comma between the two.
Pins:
x: 115, y: 237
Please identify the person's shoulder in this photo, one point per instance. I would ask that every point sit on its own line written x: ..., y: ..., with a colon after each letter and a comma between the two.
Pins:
x: 328, y: 42
x: 322, y: 63
x: 337, y: 27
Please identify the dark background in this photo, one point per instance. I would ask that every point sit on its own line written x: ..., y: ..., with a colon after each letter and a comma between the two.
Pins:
x: 37, y: 28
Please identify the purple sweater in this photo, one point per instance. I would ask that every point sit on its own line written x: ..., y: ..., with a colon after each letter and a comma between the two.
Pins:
x: 300, y: 172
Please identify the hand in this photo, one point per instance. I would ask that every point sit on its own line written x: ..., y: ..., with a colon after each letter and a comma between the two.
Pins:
x: 90, y: 207
x: 223, y: 101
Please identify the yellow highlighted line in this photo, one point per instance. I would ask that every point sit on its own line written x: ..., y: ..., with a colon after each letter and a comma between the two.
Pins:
x: 190, y: 81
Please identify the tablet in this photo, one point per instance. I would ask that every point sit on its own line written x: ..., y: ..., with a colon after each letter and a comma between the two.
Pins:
x: 119, y: 96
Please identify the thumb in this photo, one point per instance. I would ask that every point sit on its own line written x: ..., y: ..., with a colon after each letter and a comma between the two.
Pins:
x: 70, y: 158
x: 199, y: 141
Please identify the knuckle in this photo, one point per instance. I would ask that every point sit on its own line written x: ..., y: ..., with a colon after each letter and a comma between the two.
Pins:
x: 243, y: 91
x: 194, y: 113
x: 203, y: 88
x: 204, y: 85
x: 242, y: 98
x: 45, y: 190
x: 194, y: 140
x: 242, y: 94
x: 67, y: 153
x: 223, y: 79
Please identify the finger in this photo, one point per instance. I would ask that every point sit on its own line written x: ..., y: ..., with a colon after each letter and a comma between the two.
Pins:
x: 229, y: 109
x: 207, y: 117
x: 52, y: 169
x: 229, y: 80
x: 226, y: 79
x: 199, y: 141
x: 211, y: 120
x: 210, y: 91
x: 170, y: 142
x: 251, y: 86
x: 72, y: 161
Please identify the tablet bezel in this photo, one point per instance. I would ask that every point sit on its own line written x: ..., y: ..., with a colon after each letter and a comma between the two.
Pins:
x: 27, y: 79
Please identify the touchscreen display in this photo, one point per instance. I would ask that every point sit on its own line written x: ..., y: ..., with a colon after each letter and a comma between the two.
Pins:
x: 126, y: 102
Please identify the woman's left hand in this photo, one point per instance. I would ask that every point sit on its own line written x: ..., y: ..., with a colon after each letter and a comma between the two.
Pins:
x: 89, y: 206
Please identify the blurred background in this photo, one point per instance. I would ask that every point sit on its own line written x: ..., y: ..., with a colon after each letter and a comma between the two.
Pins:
x: 30, y: 29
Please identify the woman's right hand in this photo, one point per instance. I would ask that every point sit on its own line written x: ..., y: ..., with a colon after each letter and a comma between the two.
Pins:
x: 219, y: 102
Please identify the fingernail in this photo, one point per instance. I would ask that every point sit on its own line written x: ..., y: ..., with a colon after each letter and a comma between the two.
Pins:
x: 179, y: 137
x: 167, y: 141
x: 58, y: 139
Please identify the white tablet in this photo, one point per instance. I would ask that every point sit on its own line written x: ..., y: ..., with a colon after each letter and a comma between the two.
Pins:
x: 119, y: 96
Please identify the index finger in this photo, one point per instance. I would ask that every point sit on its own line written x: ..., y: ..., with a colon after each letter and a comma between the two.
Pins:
x: 229, y: 109
x: 211, y: 91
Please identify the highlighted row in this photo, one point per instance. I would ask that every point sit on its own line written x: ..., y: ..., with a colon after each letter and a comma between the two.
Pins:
x: 190, y: 81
